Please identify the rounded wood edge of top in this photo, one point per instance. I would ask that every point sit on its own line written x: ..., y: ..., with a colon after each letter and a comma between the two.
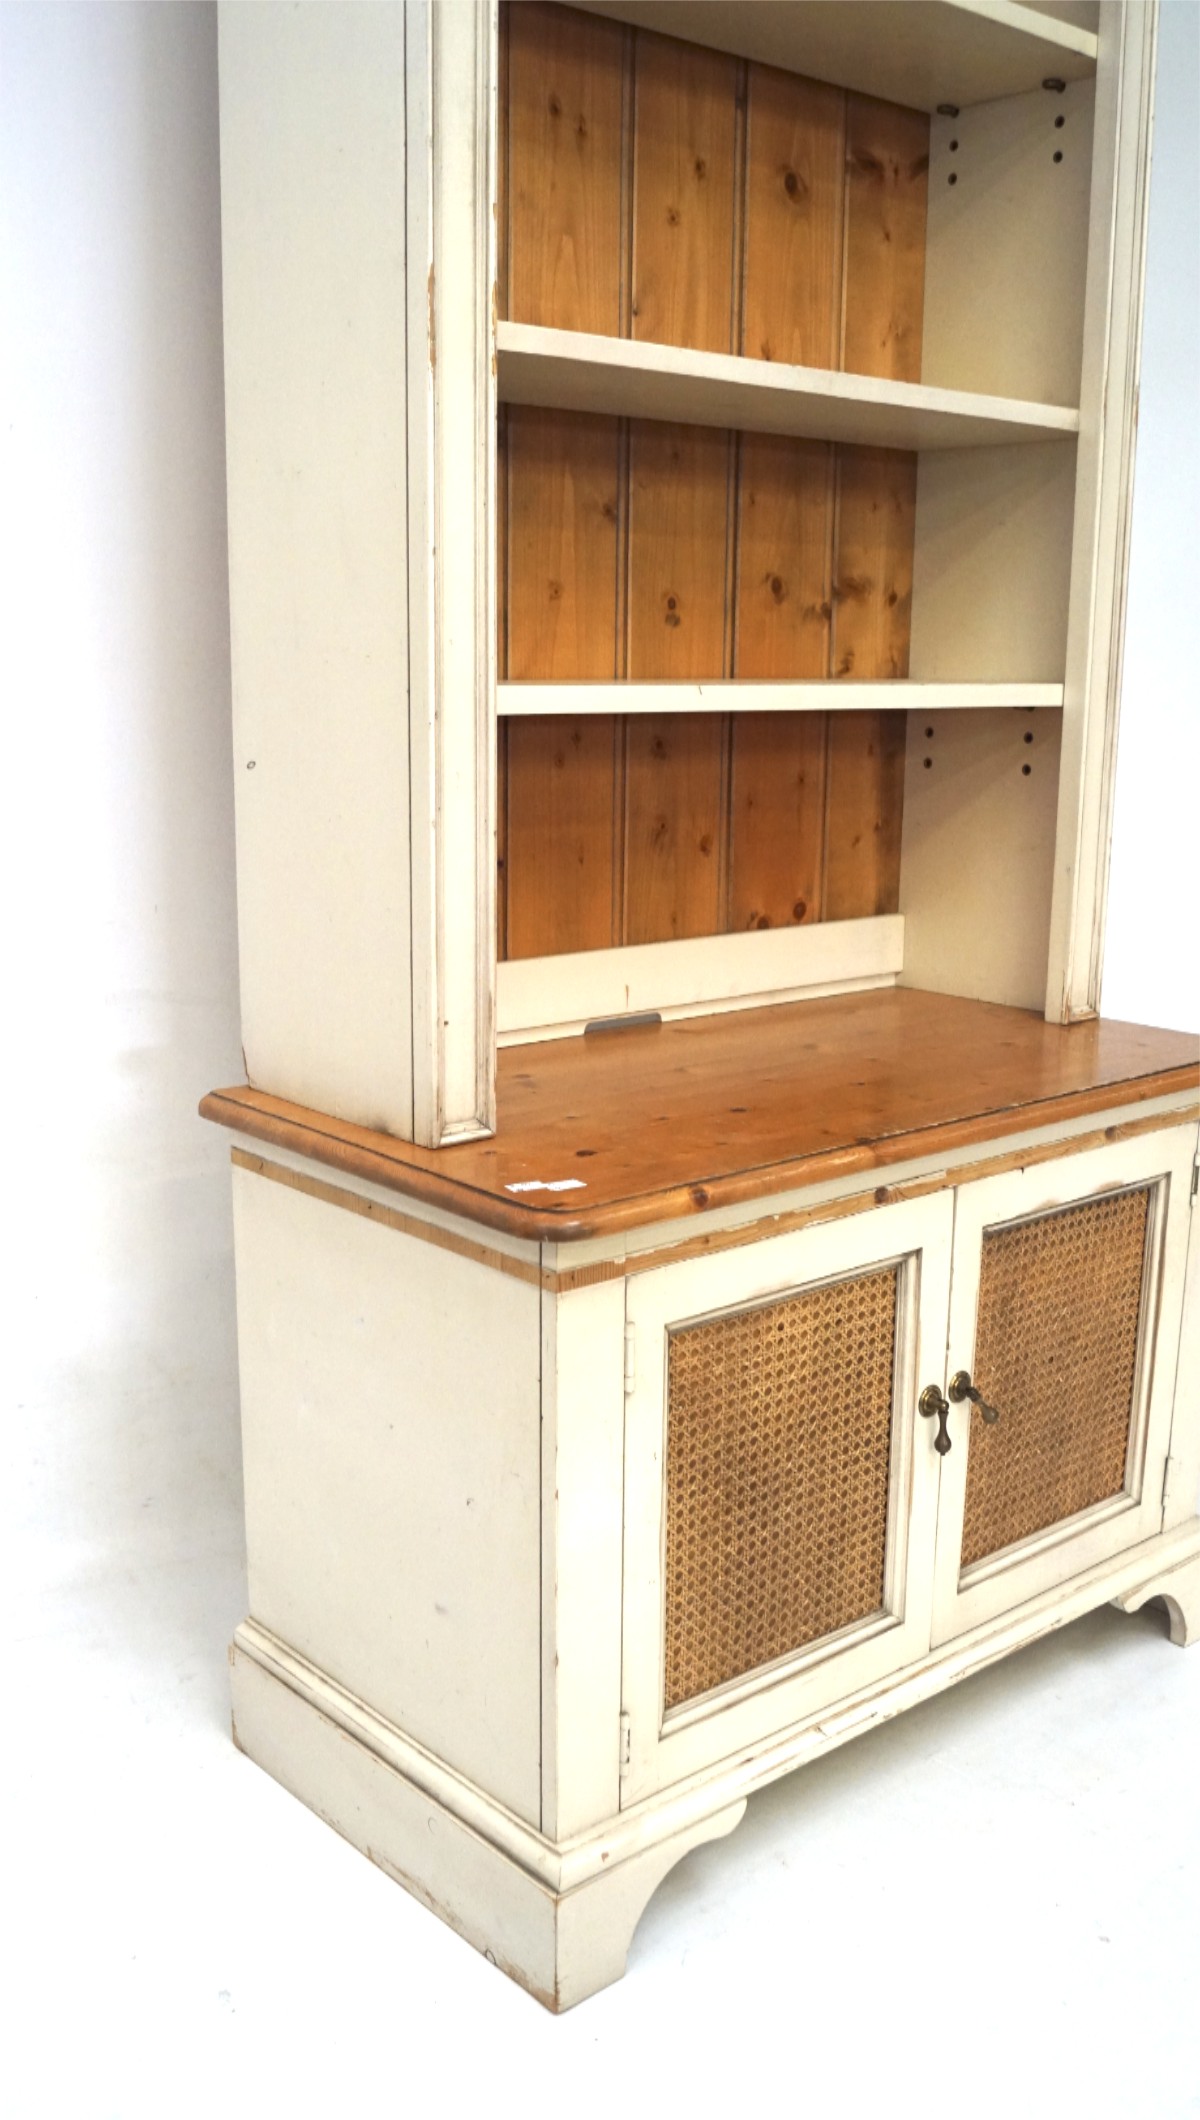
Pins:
x: 357, y: 1153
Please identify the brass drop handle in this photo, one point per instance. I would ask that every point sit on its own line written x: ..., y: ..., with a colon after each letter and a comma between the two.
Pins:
x: 936, y: 1408
x: 962, y: 1388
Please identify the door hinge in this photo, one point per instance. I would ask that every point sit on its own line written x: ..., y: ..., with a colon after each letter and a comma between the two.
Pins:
x: 1195, y: 1180
x: 625, y: 1760
x: 1168, y: 1468
x: 630, y: 1359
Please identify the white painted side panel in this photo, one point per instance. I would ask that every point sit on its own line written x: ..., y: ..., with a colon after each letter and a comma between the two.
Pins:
x: 1006, y: 245
x: 313, y: 201
x: 977, y: 859
x: 583, y: 1437
x: 991, y: 564
x: 392, y: 1464
x: 1103, y: 505
x: 471, y: 1884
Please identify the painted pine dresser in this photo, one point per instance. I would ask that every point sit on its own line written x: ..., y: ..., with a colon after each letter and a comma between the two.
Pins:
x: 707, y: 1276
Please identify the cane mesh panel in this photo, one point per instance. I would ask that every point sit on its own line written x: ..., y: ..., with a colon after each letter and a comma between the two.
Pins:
x: 778, y: 1459
x: 1056, y: 1342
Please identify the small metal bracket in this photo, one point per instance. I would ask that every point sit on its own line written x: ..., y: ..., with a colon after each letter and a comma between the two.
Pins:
x: 646, y: 1019
x: 625, y: 1756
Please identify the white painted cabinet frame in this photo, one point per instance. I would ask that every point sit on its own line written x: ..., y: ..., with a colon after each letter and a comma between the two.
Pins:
x: 1112, y: 337
x: 358, y: 233
x: 454, y: 1483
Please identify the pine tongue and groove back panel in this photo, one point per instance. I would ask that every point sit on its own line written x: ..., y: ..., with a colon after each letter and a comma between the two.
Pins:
x: 652, y: 189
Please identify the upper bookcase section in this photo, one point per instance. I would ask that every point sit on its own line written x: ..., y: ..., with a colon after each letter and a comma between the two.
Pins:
x: 688, y: 234
x: 956, y: 52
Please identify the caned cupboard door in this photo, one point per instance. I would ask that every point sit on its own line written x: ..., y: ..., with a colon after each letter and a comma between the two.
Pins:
x: 1065, y: 1307
x: 781, y: 1489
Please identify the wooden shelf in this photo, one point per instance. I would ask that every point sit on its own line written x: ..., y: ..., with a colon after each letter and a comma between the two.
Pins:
x: 763, y: 697
x: 948, y: 51
x: 578, y: 371
x: 660, y: 1123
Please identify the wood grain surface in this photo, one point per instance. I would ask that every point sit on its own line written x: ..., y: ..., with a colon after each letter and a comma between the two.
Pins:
x: 864, y: 801
x: 678, y: 551
x: 685, y: 132
x: 674, y: 806
x: 560, y: 835
x: 784, y: 557
x: 887, y: 181
x: 777, y: 809
x: 795, y: 173
x: 563, y: 156
x: 657, y: 189
x: 873, y: 562
x: 560, y: 479
x: 661, y: 1123
x: 660, y: 190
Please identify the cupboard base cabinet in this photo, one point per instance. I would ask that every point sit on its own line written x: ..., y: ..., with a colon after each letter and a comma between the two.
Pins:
x: 599, y: 1474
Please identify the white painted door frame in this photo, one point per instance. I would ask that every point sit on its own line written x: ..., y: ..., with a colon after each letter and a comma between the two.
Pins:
x: 1002, y: 1582
x: 1112, y: 338
x: 917, y: 1233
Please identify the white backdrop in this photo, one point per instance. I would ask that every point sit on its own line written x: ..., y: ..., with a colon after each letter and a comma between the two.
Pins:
x: 118, y: 823
x: 122, y: 1548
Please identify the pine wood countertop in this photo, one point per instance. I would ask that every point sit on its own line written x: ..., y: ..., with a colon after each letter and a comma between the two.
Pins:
x: 661, y: 1122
